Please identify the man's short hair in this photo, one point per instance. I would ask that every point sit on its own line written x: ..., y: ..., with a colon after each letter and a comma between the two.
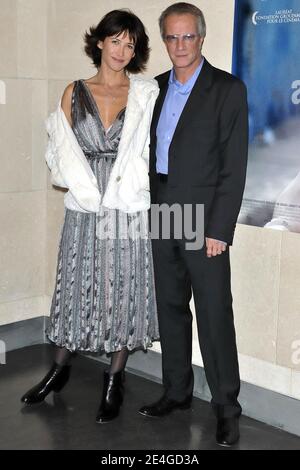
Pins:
x: 183, y: 8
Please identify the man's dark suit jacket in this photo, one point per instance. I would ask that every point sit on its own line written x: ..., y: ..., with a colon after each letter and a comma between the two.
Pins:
x: 208, y: 153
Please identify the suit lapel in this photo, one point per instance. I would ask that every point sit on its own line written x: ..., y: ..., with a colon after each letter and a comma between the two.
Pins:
x: 159, y: 104
x: 163, y: 85
x: 193, y: 104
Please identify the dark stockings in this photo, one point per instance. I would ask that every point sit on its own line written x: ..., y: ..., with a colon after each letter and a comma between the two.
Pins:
x: 118, y: 361
x: 62, y: 356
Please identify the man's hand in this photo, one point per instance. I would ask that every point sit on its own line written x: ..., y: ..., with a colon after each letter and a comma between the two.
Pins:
x: 214, y: 247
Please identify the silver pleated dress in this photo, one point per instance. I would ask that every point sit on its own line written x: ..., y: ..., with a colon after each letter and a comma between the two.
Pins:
x: 104, y: 295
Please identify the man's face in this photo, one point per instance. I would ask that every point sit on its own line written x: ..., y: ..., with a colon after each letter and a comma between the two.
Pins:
x: 184, y: 51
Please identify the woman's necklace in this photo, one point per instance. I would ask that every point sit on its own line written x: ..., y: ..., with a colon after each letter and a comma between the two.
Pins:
x: 110, y: 96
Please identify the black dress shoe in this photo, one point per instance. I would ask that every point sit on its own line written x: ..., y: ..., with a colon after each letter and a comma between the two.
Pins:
x: 55, y: 380
x: 227, y: 431
x: 164, y: 406
x: 112, y: 397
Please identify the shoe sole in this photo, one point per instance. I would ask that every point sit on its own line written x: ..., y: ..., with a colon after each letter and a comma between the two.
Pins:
x: 226, y: 445
x: 36, y: 403
x: 179, y: 408
x: 105, y: 421
x: 55, y: 391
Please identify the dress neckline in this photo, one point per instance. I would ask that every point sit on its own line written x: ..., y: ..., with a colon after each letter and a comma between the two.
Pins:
x: 94, y: 103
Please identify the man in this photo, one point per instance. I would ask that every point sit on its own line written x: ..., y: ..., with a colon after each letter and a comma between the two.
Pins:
x: 198, y: 155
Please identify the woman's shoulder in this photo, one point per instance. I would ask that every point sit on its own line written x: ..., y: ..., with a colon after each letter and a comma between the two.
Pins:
x: 68, y: 91
x: 66, y: 100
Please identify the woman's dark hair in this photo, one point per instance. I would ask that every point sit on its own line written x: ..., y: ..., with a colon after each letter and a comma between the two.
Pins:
x: 115, y: 23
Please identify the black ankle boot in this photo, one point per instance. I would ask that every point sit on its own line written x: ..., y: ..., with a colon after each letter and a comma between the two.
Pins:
x: 55, y: 380
x: 112, y: 397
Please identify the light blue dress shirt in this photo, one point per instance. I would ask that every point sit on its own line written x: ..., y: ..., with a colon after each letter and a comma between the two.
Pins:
x: 176, y: 98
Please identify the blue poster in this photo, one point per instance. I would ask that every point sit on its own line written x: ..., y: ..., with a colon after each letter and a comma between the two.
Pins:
x: 266, y: 56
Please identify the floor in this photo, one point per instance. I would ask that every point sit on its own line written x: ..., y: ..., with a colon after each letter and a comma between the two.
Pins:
x: 67, y: 420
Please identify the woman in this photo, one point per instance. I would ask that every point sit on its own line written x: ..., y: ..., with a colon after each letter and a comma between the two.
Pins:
x: 104, y: 297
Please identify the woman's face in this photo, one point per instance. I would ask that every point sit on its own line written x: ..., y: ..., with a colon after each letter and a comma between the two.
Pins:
x: 117, y: 51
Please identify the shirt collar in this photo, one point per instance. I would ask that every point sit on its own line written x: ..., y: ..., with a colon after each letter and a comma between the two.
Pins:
x: 185, y: 88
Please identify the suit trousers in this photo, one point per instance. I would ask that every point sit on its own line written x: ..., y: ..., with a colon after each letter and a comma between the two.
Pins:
x: 178, y: 273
